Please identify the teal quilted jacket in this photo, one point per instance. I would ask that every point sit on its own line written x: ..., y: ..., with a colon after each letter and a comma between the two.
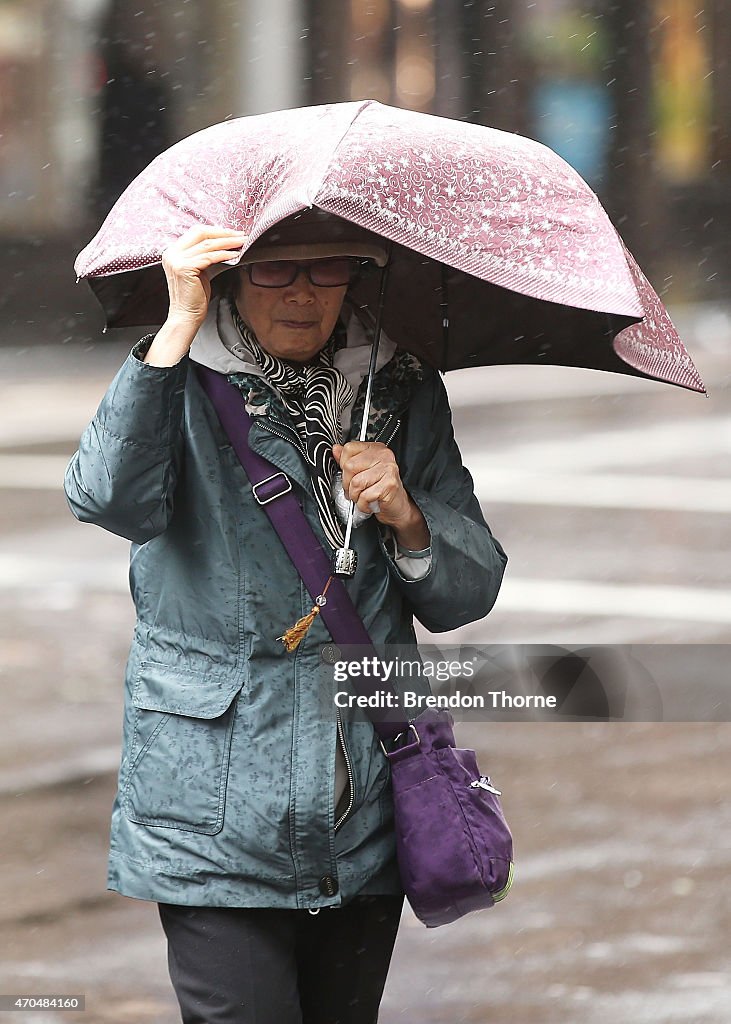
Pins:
x: 227, y: 777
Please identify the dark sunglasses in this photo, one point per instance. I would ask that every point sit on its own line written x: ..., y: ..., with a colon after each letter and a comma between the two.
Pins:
x: 325, y: 273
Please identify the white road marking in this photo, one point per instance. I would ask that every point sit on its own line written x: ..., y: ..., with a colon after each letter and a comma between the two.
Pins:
x: 35, y: 472
x: 605, y: 490
x: 67, y: 576
x: 494, y: 482
x: 591, y: 449
x: 42, y: 412
x: 636, y: 601
x: 100, y: 569
x: 500, y: 385
x: 66, y: 770
x: 65, y: 561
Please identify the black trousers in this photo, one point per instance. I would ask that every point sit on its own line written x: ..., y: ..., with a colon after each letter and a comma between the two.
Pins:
x: 262, y: 966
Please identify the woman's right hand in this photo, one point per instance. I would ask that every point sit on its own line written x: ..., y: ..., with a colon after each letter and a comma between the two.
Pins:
x: 186, y: 263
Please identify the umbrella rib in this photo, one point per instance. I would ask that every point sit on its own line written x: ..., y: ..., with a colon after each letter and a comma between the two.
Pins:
x: 363, y: 106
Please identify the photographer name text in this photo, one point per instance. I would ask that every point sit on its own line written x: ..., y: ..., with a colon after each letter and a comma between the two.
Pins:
x: 409, y: 699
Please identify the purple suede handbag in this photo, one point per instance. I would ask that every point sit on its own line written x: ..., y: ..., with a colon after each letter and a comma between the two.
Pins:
x: 454, y: 847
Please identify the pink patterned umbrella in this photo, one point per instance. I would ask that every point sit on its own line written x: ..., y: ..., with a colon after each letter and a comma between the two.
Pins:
x: 501, y: 254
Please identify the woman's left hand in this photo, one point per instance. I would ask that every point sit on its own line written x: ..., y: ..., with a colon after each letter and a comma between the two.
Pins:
x: 372, y: 480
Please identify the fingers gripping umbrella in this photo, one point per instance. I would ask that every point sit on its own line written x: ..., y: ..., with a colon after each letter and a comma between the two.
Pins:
x: 500, y: 251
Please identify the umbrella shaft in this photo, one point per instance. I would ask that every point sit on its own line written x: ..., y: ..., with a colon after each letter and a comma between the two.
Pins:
x: 369, y: 384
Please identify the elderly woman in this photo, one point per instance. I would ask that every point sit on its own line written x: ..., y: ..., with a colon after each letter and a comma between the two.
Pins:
x: 261, y: 825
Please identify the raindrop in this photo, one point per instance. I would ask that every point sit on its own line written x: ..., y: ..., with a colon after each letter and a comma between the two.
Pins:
x: 683, y: 886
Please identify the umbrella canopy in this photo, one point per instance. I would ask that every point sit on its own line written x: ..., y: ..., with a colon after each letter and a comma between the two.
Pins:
x: 500, y: 252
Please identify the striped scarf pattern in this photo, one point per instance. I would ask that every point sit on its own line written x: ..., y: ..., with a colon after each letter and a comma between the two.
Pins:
x: 314, y: 395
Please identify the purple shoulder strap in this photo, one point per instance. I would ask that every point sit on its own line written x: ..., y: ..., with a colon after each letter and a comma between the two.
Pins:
x: 273, y: 490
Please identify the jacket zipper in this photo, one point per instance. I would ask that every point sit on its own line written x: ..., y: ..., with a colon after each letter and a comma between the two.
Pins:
x: 349, y: 769
x: 341, y: 734
x: 389, y: 439
x: 292, y: 438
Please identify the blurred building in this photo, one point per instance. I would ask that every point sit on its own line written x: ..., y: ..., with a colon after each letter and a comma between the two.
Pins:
x: 636, y: 94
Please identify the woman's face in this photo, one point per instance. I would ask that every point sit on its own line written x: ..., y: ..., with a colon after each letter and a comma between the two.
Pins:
x: 293, y: 322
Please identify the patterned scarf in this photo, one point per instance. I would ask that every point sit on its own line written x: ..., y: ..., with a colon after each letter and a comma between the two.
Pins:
x: 314, y: 394
x: 310, y: 399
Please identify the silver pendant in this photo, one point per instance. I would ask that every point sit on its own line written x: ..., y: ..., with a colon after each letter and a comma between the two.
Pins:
x: 345, y: 562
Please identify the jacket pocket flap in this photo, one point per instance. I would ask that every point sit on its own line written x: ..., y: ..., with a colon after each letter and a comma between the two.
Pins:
x: 179, y: 691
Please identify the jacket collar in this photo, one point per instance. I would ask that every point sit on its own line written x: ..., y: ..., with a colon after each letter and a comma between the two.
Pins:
x: 218, y: 345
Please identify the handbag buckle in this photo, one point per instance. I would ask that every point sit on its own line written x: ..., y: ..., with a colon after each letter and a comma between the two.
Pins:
x: 398, y: 737
x: 277, y: 493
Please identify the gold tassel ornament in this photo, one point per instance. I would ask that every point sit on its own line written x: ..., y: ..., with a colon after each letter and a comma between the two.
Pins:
x: 294, y: 636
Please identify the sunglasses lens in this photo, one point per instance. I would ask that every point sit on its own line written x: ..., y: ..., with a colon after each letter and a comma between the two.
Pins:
x: 273, y: 274
x: 331, y: 273
x: 325, y: 273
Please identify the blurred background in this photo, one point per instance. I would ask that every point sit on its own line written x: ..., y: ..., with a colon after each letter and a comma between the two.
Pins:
x: 611, y: 494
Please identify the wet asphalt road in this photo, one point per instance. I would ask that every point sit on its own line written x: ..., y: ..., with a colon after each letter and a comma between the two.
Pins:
x: 612, y: 500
